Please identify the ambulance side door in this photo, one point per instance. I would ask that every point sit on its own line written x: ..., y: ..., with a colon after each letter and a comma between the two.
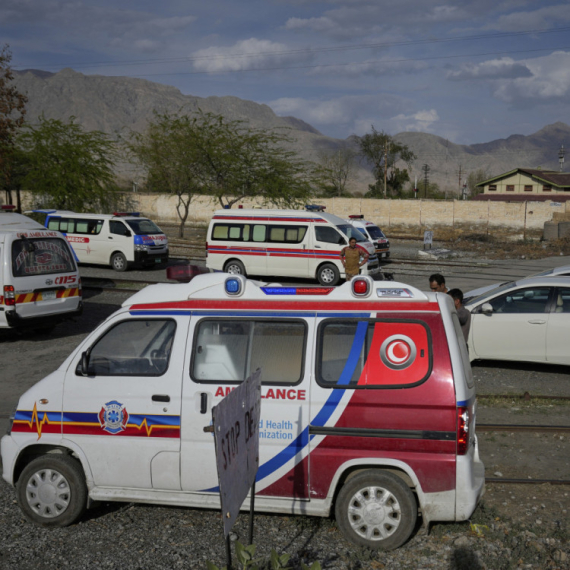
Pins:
x: 125, y: 413
x: 225, y: 350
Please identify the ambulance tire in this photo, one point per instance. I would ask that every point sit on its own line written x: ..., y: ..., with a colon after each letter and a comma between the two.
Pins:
x: 328, y: 274
x: 119, y: 262
x: 51, y: 490
x: 377, y: 510
x: 235, y: 267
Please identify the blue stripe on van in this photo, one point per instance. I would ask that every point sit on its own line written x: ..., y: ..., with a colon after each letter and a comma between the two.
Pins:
x: 322, y: 416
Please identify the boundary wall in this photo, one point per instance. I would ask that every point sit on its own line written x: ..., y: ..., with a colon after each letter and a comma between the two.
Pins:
x: 514, y: 220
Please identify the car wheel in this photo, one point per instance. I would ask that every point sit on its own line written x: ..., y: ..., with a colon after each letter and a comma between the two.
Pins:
x: 235, y: 267
x: 328, y: 274
x: 51, y: 490
x: 119, y: 262
x: 376, y: 510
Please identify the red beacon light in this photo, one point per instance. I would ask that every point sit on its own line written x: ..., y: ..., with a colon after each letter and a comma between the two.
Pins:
x: 122, y: 214
x: 184, y: 273
x: 362, y: 286
x: 7, y: 208
x: 356, y: 217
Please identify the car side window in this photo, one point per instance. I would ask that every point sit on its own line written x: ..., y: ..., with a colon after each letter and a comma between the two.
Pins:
x: 118, y: 228
x: 522, y: 301
x: 327, y: 234
x: 138, y: 347
x: 562, y: 301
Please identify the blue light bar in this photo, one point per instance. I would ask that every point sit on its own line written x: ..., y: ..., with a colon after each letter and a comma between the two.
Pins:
x: 297, y: 290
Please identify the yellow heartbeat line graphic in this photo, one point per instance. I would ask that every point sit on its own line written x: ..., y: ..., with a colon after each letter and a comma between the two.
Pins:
x: 35, y: 419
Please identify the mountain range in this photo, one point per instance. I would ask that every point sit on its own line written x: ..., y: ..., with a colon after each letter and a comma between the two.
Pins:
x: 119, y: 104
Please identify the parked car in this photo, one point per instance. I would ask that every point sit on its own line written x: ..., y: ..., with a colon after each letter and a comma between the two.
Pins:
x: 526, y: 320
x: 563, y: 271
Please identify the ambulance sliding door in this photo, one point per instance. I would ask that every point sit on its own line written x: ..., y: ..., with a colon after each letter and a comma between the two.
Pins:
x: 225, y: 350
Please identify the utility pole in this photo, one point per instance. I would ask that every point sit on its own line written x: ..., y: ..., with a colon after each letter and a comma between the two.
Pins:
x: 561, y: 153
x: 426, y: 169
x: 460, y: 173
x: 385, y: 165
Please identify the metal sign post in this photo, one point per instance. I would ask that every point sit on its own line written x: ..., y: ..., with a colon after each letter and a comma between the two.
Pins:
x: 428, y: 238
x: 236, y: 434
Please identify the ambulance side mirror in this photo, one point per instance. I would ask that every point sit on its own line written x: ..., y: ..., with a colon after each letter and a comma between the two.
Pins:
x: 84, y: 364
x: 128, y: 233
x: 341, y: 241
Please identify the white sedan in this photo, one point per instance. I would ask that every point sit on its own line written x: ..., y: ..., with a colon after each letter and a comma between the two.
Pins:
x: 526, y: 320
x: 563, y: 271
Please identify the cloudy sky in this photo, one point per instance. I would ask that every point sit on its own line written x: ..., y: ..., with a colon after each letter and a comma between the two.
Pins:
x: 470, y: 71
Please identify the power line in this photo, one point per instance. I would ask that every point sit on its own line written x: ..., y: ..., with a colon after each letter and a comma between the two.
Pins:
x: 310, y: 50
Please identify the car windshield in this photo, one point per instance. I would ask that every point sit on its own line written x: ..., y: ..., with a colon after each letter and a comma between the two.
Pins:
x: 143, y: 227
x: 352, y: 232
x: 491, y: 293
x: 375, y: 232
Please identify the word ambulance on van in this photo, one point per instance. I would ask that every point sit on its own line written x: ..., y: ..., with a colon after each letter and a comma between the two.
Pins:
x: 121, y: 240
x: 283, y: 243
x: 39, y: 282
x: 368, y: 406
x: 373, y: 233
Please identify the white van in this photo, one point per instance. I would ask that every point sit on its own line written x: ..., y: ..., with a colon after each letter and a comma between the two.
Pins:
x: 368, y: 406
x: 373, y: 233
x: 39, y: 281
x: 283, y: 243
x: 121, y: 240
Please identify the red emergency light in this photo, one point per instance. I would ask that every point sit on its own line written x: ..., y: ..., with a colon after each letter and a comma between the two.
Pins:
x: 361, y: 286
x: 356, y: 217
x: 7, y: 207
x: 184, y: 273
x: 119, y: 214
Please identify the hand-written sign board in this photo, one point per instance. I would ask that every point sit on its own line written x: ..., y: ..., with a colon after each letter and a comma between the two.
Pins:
x: 236, y: 433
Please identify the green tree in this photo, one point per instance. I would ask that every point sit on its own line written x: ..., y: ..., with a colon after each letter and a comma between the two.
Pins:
x: 203, y: 153
x: 335, y: 170
x: 68, y: 167
x: 381, y: 151
x: 12, y: 112
x: 474, y: 177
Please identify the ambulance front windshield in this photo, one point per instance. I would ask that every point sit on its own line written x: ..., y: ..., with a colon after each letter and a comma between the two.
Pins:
x: 41, y: 256
x: 352, y: 232
x: 143, y: 227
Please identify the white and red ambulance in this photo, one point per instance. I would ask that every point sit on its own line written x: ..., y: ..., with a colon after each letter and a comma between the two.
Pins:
x: 39, y: 281
x: 367, y: 411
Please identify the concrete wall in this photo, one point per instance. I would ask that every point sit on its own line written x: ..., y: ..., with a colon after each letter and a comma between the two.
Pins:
x: 397, y: 217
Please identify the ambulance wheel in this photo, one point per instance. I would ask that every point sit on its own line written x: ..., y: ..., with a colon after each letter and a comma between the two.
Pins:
x: 119, y: 262
x: 51, y: 490
x: 235, y: 267
x: 376, y: 510
x: 328, y: 274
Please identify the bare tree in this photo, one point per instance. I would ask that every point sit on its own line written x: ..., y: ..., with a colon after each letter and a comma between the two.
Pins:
x: 336, y: 170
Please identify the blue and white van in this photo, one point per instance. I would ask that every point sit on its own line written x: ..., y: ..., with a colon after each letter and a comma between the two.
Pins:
x: 121, y: 240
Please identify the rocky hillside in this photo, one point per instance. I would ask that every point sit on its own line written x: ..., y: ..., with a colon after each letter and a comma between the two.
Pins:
x: 119, y: 104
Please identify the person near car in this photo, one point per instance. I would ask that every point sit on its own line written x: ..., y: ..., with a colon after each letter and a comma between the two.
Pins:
x: 353, y: 257
x: 437, y: 283
x: 463, y: 314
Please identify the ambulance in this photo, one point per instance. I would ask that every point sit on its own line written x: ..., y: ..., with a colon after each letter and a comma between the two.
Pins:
x: 284, y: 243
x: 373, y: 233
x: 121, y: 239
x: 39, y: 282
x: 368, y: 406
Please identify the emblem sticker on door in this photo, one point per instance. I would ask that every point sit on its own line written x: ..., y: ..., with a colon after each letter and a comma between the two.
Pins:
x: 113, y: 417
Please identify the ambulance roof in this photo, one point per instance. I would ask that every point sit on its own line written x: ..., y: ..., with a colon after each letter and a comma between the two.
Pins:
x: 212, y: 286
x: 13, y: 221
x: 122, y: 216
x: 277, y: 215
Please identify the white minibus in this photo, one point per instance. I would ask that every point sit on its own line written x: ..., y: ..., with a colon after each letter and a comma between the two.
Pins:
x: 283, y: 243
x: 121, y: 240
x: 39, y: 281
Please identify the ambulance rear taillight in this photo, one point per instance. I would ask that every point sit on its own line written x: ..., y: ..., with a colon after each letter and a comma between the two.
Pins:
x: 9, y: 295
x: 463, y: 418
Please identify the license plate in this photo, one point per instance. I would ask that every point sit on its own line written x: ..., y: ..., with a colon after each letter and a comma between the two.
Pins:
x: 48, y: 295
x: 157, y: 260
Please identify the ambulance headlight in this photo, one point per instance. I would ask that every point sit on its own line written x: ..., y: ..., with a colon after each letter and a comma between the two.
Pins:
x: 141, y: 247
x: 11, y: 421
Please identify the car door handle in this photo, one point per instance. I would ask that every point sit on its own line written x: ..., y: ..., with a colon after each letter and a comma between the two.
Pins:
x: 537, y: 322
x: 203, y: 402
x: 110, y: 237
x: 318, y: 246
x: 160, y: 398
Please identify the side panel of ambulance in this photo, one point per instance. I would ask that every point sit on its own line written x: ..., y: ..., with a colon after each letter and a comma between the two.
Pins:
x: 40, y: 284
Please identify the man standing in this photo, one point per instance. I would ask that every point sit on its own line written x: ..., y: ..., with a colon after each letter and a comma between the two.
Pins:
x: 353, y: 257
x: 437, y: 283
x: 463, y: 314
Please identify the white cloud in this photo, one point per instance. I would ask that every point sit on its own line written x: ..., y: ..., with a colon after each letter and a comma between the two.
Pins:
x: 246, y: 54
x: 504, y: 68
x: 536, y: 80
x: 531, y: 19
x: 419, y: 121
